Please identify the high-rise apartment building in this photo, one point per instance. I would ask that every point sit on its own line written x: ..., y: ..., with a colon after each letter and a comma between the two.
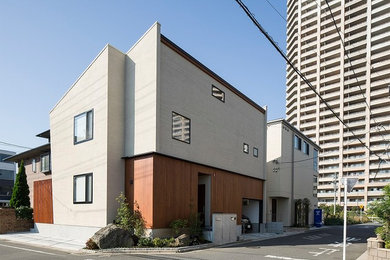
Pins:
x: 354, y: 82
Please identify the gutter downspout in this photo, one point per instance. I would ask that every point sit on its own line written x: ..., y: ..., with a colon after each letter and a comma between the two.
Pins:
x: 292, y: 182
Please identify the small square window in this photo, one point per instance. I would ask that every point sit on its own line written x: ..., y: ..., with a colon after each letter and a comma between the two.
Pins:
x: 217, y: 93
x: 255, y: 152
x: 83, y: 127
x: 181, y: 128
x: 34, y: 165
x: 82, y: 188
x: 246, y: 148
x: 45, y: 162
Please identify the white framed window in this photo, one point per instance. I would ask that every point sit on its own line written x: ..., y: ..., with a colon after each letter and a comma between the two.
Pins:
x: 34, y: 165
x: 297, y: 143
x: 306, y: 148
x: 255, y: 152
x: 82, y: 188
x: 217, y: 93
x: 83, y: 127
x: 245, y: 148
x: 181, y: 128
x: 45, y: 162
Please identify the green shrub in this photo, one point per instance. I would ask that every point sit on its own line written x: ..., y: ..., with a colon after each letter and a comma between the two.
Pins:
x: 195, y: 225
x: 130, y: 219
x: 145, y: 242
x: 332, y: 220
x: 179, y: 226
x: 24, y: 212
x: 20, y: 193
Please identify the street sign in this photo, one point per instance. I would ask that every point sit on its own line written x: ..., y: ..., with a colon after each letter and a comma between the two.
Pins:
x: 350, y: 183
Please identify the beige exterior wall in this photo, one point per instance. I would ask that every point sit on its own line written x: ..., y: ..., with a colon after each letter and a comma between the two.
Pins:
x: 89, y: 92
x: 141, y: 93
x: 218, y: 129
x: 286, y: 180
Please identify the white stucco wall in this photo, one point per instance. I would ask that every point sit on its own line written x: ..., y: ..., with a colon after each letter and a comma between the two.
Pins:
x: 100, y: 156
x: 142, y: 64
x: 218, y: 129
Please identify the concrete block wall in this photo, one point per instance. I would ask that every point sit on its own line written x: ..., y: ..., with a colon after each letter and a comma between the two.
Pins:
x: 9, y: 223
x: 376, y: 250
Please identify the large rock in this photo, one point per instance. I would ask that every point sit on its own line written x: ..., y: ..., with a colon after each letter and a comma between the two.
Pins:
x: 182, y: 240
x: 112, y: 236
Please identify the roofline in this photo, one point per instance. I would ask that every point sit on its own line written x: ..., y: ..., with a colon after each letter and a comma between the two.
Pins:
x: 284, y: 121
x: 209, y: 72
x: 44, y: 134
x: 27, y: 154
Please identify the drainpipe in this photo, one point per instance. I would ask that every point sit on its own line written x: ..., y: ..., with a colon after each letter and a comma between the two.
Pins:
x: 292, y: 181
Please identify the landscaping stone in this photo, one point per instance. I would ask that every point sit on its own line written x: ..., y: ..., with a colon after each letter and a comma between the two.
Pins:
x: 112, y: 236
x: 182, y: 240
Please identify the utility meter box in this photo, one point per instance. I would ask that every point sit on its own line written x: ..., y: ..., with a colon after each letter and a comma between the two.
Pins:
x: 224, y: 228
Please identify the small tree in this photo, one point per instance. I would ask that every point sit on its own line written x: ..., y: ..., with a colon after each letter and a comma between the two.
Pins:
x: 21, y: 191
x: 381, y: 209
x: 130, y: 219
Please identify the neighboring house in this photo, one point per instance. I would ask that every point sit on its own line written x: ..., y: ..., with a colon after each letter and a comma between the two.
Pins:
x: 292, y: 170
x: 158, y: 125
x: 38, y: 171
x: 7, y: 177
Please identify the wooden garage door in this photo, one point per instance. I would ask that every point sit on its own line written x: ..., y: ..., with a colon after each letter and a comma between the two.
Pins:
x: 43, y: 202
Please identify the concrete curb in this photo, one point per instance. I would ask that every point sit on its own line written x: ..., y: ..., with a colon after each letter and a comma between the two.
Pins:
x: 149, y: 250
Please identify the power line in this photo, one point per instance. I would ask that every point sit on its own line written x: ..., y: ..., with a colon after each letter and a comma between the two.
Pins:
x: 14, y: 145
x: 262, y: 30
x: 276, y: 10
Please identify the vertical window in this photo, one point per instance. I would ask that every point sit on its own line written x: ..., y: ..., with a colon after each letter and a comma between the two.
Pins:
x: 34, y: 165
x: 306, y: 148
x: 82, y: 188
x: 315, y: 160
x: 245, y: 148
x: 45, y: 162
x: 217, y: 93
x: 181, y: 128
x: 255, y: 152
x: 83, y: 127
x: 315, y: 179
x: 297, y: 143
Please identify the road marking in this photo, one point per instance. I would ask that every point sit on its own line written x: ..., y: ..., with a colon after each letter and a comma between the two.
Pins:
x: 283, y: 257
x: 314, y: 237
x: 30, y: 250
x: 325, y: 250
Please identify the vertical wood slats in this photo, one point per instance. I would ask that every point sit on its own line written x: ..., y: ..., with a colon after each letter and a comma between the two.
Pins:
x: 43, y: 202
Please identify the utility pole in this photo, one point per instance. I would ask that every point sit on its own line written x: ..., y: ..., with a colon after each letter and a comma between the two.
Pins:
x: 334, y: 187
x: 348, y: 186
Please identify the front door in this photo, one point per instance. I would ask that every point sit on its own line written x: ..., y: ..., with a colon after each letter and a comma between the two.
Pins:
x: 43, y: 202
x: 202, y: 202
x: 274, y: 205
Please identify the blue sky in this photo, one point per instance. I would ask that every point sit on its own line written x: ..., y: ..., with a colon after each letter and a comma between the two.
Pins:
x: 46, y: 45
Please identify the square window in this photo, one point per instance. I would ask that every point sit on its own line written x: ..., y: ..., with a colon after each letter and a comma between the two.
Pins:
x: 217, y: 93
x: 45, y: 162
x: 82, y: 188
x: 83, y: 127
x: 34, y: 165
x: 255, y: 152
x: 246, y: 148
x: 297, y: 143
x: 181, y: 128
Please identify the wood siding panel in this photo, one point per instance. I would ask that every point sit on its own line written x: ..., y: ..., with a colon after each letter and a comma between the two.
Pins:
x: 43, y: 202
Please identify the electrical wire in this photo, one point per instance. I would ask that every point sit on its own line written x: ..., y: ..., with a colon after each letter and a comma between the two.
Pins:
x: 276, y: 10
x: 262, y: 30
x: 14, y: 145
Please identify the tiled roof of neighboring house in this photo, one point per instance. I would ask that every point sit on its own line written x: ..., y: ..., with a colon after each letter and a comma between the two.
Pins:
x: 29, y: 154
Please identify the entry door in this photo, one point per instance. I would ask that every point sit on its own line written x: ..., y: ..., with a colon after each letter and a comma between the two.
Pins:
x: 43, y: 202
x: 274, y: 205
x: 202, y: 202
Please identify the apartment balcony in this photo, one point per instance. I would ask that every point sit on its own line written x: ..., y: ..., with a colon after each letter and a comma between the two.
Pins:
x: 354, y: 168
x: 380, y: 83
x: 375, y: 193
x: 360, y: 80
x: 329, y: 186
x: 325, y: 195
x: 380, y: 101
x: 380, y: 46
x: 355, y: 10
x: 381, y: 37
x: 354, y: 115
x: 329, y: 137
x: 355, y: 70
x: 379, y: 9
x: 379, y: 20
x: 378, y: 183
x: 354, y: 159
x: 381, y: 119
x: 308, y: 109
x: 308, y: 116
x: 357, y: 132
x: 308, y: 124
x: 383, y: 75
x: 382, y: 92
x: 354, y: 150
x: 356, y: 194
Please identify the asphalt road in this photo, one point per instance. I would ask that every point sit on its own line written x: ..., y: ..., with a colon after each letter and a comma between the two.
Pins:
x: 318, y: 244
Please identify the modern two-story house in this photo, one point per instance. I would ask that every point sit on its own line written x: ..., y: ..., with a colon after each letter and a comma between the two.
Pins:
x: 164, y: 129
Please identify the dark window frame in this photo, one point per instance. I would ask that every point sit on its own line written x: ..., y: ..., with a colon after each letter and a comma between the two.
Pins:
x: 257, y: 152
x: 43, y: 155
x: 86, y: 188
x: 92, y: 124
x: 243, y: 148
x: 299, y: 143
x: 306, y: 148
x: 223, y: 92
x: 189, y: 120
